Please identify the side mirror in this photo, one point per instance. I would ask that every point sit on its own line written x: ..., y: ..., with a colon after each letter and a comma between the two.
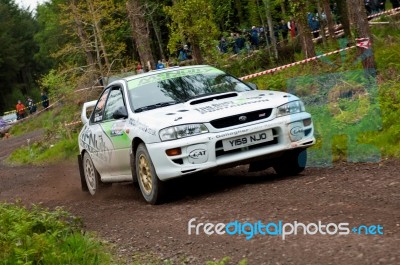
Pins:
x: 120, y: 113
x: 87, y: 105
x: 252, y: 85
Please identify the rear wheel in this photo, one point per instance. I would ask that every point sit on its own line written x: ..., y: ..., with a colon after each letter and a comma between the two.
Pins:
x: 92, y: 177
x: 149, y: 183
x: 292, y: 163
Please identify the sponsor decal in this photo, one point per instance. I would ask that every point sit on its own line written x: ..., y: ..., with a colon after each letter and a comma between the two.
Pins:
x: 197, y: 153
x: 227, y: 105
x: 141, y: 126
x: 169, y: 75
x: 296, y: 130
x: 98, y: 118
x: 117, y: 128
x: 242, y: 118
x: 95, y: 145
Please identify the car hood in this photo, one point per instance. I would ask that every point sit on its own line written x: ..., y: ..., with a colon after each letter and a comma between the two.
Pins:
x: 194, y: 112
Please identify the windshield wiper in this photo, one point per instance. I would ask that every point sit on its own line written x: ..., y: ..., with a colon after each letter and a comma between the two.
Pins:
x: 155, y: 106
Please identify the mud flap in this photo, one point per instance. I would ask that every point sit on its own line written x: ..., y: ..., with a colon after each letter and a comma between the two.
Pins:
x: 82, y: 174
x: 133, y: 167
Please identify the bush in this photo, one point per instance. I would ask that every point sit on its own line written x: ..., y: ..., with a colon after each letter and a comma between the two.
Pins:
x: 40, y: 236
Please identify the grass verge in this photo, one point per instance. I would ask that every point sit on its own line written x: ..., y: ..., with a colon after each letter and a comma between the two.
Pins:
x: 40, y: 236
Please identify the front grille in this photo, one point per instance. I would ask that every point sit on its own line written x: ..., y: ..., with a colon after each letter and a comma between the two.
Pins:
x: 241, y: 118
x: 219, y: 150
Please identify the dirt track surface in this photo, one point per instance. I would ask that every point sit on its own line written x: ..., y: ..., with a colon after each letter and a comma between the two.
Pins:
x: 359, y: 194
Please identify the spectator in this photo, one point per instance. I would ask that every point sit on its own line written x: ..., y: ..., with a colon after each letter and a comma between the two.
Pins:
x: 31, y: 106
x: 315, y: 27
x: 160, y: 65
x: 45, y: 100
x: 285, y: 30
x: 223, y: 46
x: 139, y: 69
x: 238, y: 43
x: 254, y: 37
x: 20, y: 108
x: 185, y: 53
x: 292, y: 28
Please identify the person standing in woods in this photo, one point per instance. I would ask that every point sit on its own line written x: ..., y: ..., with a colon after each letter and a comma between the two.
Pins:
x: 292, y: 27
x: 20, y: 108
x: 45, y: 100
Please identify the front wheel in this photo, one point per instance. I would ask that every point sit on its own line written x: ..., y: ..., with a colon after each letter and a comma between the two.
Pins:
x: 291, y: 163
x: 149, y: 183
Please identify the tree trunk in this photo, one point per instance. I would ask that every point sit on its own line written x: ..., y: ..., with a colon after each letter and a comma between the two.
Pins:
x: 305, y: 35
x: 323, y: 22
x: 85, y: 41
x: 267, y: 4
x: 361, y: 26
x: 98, y: 34
x: 239, y: 8
x: 263, y: 25
x: 328, y: 13
x: 283, y: 8
x: 196, y: 52
x: 344, y: 17
x: 140, y: 32
x: 157, y: 32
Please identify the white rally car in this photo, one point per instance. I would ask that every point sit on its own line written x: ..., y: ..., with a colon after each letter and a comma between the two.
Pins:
x: 174, y: 122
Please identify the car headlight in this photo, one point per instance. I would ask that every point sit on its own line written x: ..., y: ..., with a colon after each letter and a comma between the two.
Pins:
x: 290, y: 108
x: 182, y: 131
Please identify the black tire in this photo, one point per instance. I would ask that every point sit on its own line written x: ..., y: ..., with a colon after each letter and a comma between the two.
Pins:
x: 92, y: 177
x: 150, y: 185
x: 291, y: 163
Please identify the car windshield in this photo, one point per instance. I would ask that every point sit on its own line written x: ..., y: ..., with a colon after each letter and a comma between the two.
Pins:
x: 172, y: 87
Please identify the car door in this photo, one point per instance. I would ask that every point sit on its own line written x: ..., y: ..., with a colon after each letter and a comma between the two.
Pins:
x: 99, y: 146
x: 115, y: 131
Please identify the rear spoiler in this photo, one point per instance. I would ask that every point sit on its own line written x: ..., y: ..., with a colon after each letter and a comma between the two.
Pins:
x: 87, y: 105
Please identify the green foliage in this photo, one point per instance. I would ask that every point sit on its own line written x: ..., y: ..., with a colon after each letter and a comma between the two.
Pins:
x: 17, y: 66
x: 225, y: 261
x: 59, y: 83
x: 60, y: 142
x: 191, y: 21
x: 223, y: 14
x: 45, y: 152
x: 40, y: 236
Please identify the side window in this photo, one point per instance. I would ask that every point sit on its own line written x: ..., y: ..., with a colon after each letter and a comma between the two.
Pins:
x: 98, y: 112
x: 115, y: 101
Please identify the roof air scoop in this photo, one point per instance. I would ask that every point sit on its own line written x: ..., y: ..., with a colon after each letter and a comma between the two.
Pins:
x: 213, y: 97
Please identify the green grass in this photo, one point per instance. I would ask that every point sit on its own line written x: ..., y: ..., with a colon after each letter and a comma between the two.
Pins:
x: 60, y: 142
x: 45, y: 152
x: 40, y: 236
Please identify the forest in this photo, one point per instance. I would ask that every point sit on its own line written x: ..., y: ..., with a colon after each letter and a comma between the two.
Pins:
x: 65, y: 45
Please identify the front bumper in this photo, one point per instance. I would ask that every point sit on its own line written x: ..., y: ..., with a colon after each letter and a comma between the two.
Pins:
x: 211, y: 150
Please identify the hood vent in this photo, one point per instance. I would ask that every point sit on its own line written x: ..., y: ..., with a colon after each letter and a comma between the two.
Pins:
x: 211, y: 98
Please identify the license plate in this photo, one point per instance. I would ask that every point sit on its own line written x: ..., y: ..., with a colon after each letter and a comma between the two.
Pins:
x: 247, y: 140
